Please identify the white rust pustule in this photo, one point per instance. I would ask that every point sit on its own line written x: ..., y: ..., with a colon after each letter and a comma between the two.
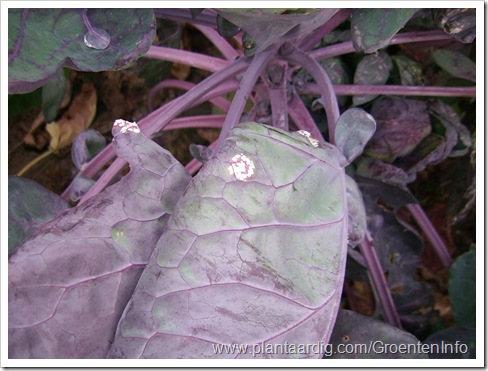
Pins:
x: 241, y: 167
x: 314, y: 142
x: 125, y: 126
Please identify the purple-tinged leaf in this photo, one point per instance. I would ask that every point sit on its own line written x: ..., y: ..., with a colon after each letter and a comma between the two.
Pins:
x: 200, y: 152
x: 456, y: 133
x: 455, y: 63
x: 267, y: 27
x: 42, y: 40
x: 354, y: 129
x: 401, y: 126
x: 376, y: 169
x: 430, y: 151
x: 355, y: 331
x: 373, y: 29
x: 86, y: 145
x: 29, y: 206
x: 253, y: 253
x: 81, y: 185
x: 398, y: 247
x: 373, y: 69
x: 69, y: 283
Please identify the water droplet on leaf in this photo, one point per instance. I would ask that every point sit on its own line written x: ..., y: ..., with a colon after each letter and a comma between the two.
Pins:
x: 97, y: 38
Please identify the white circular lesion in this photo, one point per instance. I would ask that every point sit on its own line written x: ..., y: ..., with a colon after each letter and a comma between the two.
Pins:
x: 241, y: 167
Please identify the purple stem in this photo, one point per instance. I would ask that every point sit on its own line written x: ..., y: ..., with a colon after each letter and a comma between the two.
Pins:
x: 379, y: 282
x: 326, y: 89
x: 220, y: 43
x: 431, y: 233
x: 192, y: 59
x: 302, y: 118
x: 315, y: 38
x: 429, y: 91
x: 158, y: 119
x: 219, y: 102
x: 278, y: 99
x: 407, y: 37
x: 242, y: 95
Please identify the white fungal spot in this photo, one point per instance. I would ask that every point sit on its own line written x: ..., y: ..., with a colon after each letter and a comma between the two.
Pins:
x: 125, y: 126
x: 314, y: 142
x: 241, y: 167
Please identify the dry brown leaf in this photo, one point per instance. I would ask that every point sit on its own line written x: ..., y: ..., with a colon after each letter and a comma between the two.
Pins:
x: 77, y: 118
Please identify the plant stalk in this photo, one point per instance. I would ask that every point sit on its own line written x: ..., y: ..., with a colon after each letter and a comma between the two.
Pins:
x: 379, y: 281
x: 325, y: 85
x: 431, y: 233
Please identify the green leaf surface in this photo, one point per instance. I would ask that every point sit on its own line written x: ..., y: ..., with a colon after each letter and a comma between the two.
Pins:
x: 254, y: 252
x: 462, y: 288
x: 354, y: 129
x: 29, y: 206
x: 373, y: 69
x: 455, y: 63
x: 53, y: 94
x: 372, y: 29
x: 42, y: 40
x: 410, y: 71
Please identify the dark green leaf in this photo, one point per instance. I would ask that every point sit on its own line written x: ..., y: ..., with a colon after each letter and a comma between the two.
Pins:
x: 85, y: 146
x: 53, y: 94
x: 462, y: 288
x: 376, y: 169
x: 226, y: 29
x: 372, y: 29
x: 354, y: 129
x: 410, y: 71
x: 457, y: 134
x: 269, y: 26
x: 373, y: 69
x: 195, y: 12
x: 200, y: 153
x: 453, y: 343
x: 355, y: 330
x: 42, y: 40
x: 29, y: 206
x: 20, y: 103
x: 455, y: 63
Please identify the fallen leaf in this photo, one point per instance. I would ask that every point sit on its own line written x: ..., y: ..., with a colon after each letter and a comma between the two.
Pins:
x: 77, y: 118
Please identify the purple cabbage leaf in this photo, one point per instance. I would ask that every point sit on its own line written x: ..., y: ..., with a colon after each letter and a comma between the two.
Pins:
x: 373, y: 29
x: 254, y: 253
x: 69, y: 283
x: 268, y: 26
x: 42, y: 40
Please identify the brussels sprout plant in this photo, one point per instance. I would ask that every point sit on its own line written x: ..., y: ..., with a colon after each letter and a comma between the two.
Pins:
x: 253, y: 249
